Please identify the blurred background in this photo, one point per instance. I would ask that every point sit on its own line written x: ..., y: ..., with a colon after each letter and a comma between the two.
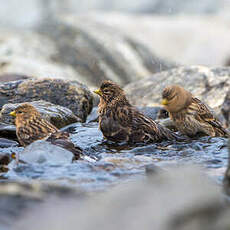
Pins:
x: 122, y: 40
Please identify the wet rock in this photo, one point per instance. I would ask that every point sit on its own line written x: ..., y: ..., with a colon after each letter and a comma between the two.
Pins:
x: 5, y: 143
x: 150, y: 111
x: 70, y: 94
x: 15, y: 196
x: 56, y: 114
x: 210, y: 85
x: 169, y: 201
x: 43, y: 152
x: 225, y: 109
x: 93, y: 117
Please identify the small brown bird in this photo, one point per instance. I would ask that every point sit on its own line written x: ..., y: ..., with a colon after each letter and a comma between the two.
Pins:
x: 190, y: 115
x: 119, y: 121
x: 30, y: 127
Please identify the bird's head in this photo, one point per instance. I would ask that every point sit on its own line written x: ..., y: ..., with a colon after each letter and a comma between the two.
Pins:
x: 25, y: 112
x: 175, y: 98
x: 110, y: 91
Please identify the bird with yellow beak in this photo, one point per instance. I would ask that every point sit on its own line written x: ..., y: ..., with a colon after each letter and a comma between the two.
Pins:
x: 190, y: 115
x: 119, y: 121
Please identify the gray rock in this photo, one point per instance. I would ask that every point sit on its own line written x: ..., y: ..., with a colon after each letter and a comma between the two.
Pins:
x: 43, y: 152
x: 6, y: 143
x: 82, y: 46
x: 63, y: 47
x: 167, y: 201
x: 150, y: 111
x: 70, y: 94
x: 58, y: 115
x: 15, y: 196
x: 210, y: 85
x: 93, y: 117
x: 225, y: 109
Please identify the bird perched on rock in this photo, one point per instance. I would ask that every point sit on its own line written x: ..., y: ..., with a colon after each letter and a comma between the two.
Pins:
x: 119, y: 121
x: 30, y: 127
x: 190, y: 115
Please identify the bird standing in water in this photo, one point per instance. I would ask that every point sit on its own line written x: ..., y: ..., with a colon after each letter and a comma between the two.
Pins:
x: 189, y: 114
x: 30, y: 127
x: 119, y: 121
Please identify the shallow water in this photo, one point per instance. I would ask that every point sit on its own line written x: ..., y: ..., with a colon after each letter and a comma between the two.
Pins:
x: 121, y: 163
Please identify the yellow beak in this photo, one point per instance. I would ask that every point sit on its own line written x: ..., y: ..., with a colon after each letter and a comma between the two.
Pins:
x: 98, y: 92
x: 13, y: 114
x: 164, y: 102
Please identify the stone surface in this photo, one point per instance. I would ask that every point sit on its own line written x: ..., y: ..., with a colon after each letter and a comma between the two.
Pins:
x: 62, y: 47
x: 116, y: 46
x: 225, y: 109
x: 166, y: 201
x: 93, y: 51
x: 58, y: 115
x: 5, y: 143
x: 150, y: 111
x: 210, y: 85
x: 28, y: 53
x: 43, y: 152
x: 18, y: 197
x: 70, y: 94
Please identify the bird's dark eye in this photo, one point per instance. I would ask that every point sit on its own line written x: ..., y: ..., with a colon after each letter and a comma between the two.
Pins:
x: 106, y: 91
x: 19, y: 112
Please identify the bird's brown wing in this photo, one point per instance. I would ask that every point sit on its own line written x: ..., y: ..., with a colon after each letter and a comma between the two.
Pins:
x: 143, y: 128
x: 26, y: 135
x: 62, y: 140
x: 151, y: 130
x: 48, y: 127
x: 204, y: 115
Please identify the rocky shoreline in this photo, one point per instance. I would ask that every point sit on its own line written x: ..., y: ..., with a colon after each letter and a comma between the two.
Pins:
x: 38, y: 160
x: 53, y: 57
